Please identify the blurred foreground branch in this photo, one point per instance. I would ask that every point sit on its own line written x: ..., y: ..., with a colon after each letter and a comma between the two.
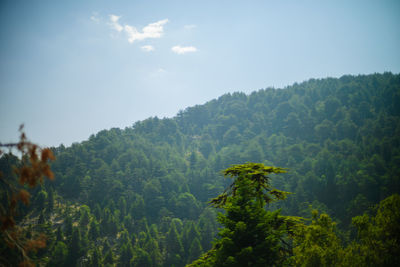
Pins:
x: 29, y: 171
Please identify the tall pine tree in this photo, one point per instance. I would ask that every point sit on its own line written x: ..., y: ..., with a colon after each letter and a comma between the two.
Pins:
x: 251, y: 235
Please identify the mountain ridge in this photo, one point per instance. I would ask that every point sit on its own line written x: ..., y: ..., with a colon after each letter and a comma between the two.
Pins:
x: 150, y: 183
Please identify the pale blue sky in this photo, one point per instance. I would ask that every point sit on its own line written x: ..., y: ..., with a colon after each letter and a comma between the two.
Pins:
x: 69, y: 69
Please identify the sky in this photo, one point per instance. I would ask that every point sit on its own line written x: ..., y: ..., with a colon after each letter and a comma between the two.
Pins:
x: 69, y: 69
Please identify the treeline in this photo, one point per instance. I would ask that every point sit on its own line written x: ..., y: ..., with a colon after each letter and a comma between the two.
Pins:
x: 138, y: 196
x: 253, y: 236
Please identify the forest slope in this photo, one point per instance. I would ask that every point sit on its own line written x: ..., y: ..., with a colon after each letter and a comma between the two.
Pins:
x: 141, y: 192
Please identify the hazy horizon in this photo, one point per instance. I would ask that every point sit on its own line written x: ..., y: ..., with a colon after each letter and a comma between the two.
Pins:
x: 72, y: 69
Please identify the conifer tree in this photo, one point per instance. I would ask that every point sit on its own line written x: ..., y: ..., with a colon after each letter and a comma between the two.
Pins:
x: 84, y: 220
x: 68, y: 226
x: 59, y: 234
x: 122, y: 206
x: 106, y: 247
x: 174, y: 247
x: 190, y: 234
x: 251, y: 235
x: 75, y: 247
x: 97, y: 212
x: 96, y: 258
x: 126, y: 254
x: 128, y: 223
x: 154, y: 252
x: 195, y: 250
x: 141, y: 258
x: 41, y: 199
x: 50, y: 201
x: 41, y: 218
x: 109, y: 257
x: 59, y: 255
x: 206, y: 232
x: 94, y: 229
x: 142, y: 239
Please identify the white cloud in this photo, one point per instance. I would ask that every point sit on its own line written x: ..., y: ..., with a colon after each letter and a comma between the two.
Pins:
x: 95, y: 17
x: 158, y: 73
x: 148, y: 48
x: 114, y: 23
x: 189, y: 27
x: 180, y: 50
x: 153, y: 30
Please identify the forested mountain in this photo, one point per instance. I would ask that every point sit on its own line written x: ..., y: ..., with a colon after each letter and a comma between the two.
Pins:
x: 140, y: 195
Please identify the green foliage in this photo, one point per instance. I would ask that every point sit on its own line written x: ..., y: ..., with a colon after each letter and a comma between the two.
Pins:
x: 126, y: 254
x: 251, y: 236
x: 109, y: 257
x: 317, y: 244
x: 195, y: 250
x: 154, y: 252
x: 340, y: 138
x: 378, y: 241
x: 174, y: 247
x: 59, y: 255
x: 94, y: 230
x: 256, y: 174
x: 141, y: 258
x: 59, y: 234
x: 75, y: 249
x: 96, y: 258
x: 84, y: 220
x: 41, y: 199
x: 50, y: 200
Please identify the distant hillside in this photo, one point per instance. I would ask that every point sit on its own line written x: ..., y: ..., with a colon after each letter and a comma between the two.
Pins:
x: 146, y: 187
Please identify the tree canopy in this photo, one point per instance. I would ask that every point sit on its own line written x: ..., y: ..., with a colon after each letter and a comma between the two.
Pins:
x: 119, y: 192
x: 251, y: 235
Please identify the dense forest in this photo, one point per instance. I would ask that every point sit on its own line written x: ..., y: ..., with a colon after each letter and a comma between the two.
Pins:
x: 140, y: 196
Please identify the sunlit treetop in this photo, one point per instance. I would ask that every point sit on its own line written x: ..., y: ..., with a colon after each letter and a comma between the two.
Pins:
x: 257, y: 175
